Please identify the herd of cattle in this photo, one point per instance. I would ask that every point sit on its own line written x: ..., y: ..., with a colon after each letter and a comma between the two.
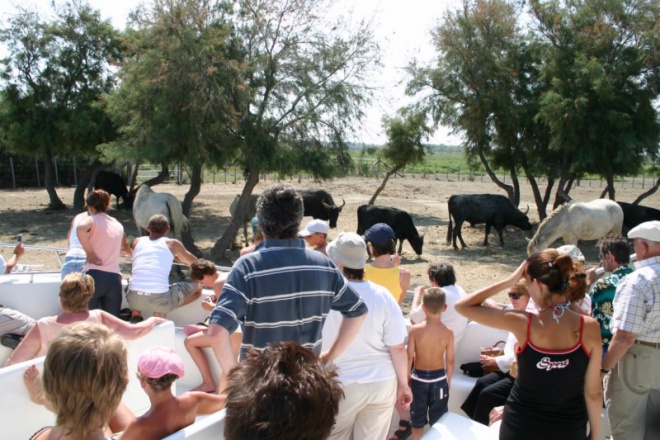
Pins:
x: 573, y: 221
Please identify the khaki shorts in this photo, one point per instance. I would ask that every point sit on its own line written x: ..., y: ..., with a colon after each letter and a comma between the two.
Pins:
x: 161, y: 302
x: 13, y: 321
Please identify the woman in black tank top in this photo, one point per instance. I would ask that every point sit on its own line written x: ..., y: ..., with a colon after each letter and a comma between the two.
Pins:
x: 558, y: 387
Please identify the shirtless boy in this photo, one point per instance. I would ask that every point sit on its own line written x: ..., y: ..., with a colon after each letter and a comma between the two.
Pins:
x: 158, y: 368
x: 431, y: 351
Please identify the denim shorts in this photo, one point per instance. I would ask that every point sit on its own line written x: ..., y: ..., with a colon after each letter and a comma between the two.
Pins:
x: 430, y: 397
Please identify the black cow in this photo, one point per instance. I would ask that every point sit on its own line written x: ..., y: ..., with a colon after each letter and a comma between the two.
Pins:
x: 491, y: 209
x: 400, y: 221
x: 633, y: 215
x: 115, y: 185
x: 319, y: 204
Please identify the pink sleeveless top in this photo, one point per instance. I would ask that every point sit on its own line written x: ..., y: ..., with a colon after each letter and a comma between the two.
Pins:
x: 105, y: 239
x: 49, y: 328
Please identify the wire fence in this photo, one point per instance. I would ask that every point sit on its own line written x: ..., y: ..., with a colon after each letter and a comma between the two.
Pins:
x: 18, y: 173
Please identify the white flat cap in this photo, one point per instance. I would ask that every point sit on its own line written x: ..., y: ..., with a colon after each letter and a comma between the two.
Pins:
x: 647, y: 231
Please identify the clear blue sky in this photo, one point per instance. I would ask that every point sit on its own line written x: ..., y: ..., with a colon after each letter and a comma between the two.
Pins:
x: 401, y: 27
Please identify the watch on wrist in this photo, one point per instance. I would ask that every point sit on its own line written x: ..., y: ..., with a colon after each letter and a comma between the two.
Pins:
x: 604, y: 371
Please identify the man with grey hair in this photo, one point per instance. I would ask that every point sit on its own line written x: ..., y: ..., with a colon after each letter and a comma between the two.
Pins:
x: 374, y: 369
x: 283, y: 291
x: 634, y: 353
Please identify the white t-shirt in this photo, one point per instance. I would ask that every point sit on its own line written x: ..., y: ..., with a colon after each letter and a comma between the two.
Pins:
x: 3, y: 265
x: 368, y: 358
x: 505, y: 361
x: 451, y: 318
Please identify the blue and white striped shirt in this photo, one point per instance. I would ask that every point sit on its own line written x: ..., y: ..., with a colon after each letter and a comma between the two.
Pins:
x: 283, y: 292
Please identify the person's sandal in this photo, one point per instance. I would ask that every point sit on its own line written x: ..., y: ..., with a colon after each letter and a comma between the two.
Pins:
x: 404, y: 431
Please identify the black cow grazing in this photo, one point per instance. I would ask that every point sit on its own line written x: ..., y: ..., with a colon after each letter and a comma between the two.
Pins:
x: 491, y: 209
x: 633, y: 215
x: 319, y: 204
x: 400, y: 221
x: 249, y: 213
x: 113, y: 184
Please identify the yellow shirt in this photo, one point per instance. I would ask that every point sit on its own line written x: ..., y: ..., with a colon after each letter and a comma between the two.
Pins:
x: 388, y: 278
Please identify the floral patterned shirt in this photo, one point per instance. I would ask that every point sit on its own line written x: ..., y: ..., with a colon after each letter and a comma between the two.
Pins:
x: 602, y: 296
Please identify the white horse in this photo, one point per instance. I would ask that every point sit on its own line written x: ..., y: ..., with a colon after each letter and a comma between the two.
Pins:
x: 148, y: 203
x: 578, y: 221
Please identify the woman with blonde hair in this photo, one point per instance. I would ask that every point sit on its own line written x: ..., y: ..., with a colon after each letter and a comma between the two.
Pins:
x: 85, y: 376
x: 75, y: 291
x: 558, y: 387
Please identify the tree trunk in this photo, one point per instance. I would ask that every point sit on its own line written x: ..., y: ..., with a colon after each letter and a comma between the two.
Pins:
x: 85, y: 179
x: 610, y: 185
x: 380, y: 189
x: 161, y: 177
x: 220, y: 247
x: 516, y: 188
x: 604, y: 191
x: 508, y: 188
x: 648, y: 193
x: 536, y: 192
x: 193, y: 191
x: 49, y: 178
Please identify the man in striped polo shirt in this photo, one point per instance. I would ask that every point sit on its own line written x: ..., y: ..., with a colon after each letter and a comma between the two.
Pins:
x: 283, y: 291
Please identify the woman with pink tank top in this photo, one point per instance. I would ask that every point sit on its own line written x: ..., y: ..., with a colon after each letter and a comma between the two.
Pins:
x: 103, y: 239
x: 75, y: 292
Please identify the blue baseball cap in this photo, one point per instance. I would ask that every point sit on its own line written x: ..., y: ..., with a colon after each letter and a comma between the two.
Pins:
x: 379, y: 234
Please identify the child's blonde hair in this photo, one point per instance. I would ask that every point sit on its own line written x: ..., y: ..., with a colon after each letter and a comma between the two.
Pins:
x: 434, y: 300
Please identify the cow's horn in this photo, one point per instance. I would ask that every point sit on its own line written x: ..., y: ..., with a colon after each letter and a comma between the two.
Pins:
x: 326, y: 205
x: 343, y: 202
x: 527, y: 210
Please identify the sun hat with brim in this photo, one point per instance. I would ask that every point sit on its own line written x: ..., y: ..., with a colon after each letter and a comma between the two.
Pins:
x: 573, y: 251
x: 379, y: 234
x: 313, y: 227
x: 647, y: 231
x: 348, y: 250
x: 158, y: 361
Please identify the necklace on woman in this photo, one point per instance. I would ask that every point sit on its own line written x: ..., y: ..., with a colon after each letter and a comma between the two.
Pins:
x: 558, y: 310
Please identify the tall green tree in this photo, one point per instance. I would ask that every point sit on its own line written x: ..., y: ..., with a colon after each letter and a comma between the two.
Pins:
x: 307, y: 81
x: 471, y: 85
x: 177, y: 76
x: 405, y: 145
x: 53, y: 77
x: 603, y: 72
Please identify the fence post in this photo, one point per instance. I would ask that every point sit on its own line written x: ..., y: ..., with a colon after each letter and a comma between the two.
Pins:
x: 225, y: 174
x: 13, y: 175
x: 75, y: 173
x: 234, y: 175
x: 643, y: 180
x: 36, y: 164
x: 214, y: 175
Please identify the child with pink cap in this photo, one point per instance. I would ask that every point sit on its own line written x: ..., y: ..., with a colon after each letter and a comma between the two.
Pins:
x: 158, y: 368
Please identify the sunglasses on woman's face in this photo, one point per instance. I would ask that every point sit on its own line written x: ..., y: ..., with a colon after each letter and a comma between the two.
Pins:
x: 514, y: 295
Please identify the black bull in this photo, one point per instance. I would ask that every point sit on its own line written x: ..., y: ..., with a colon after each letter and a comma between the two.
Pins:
x: 319, y: 204
x: 113, y: 184
x: 400, y: 221
x: 633, y: 215
x: 491, y: 209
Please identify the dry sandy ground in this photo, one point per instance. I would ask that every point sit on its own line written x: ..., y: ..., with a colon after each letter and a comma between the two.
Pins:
x: 24, y: 211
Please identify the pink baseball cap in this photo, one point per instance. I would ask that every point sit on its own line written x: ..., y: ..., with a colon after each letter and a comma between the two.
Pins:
x: 158, y: 361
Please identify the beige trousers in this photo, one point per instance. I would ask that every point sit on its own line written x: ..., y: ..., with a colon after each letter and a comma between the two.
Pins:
x: 627, y: 390
x: 365, y: 411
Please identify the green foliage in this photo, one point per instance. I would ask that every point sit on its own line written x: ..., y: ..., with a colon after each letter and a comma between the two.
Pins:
x: 177, y: 76
x: 405, y: 135
x: 52, y: 79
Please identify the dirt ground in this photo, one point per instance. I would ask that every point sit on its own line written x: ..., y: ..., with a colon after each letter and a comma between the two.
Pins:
x: 24, y: 212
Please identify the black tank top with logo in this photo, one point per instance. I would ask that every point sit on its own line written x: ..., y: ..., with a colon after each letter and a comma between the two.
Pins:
x: 547, y: 399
